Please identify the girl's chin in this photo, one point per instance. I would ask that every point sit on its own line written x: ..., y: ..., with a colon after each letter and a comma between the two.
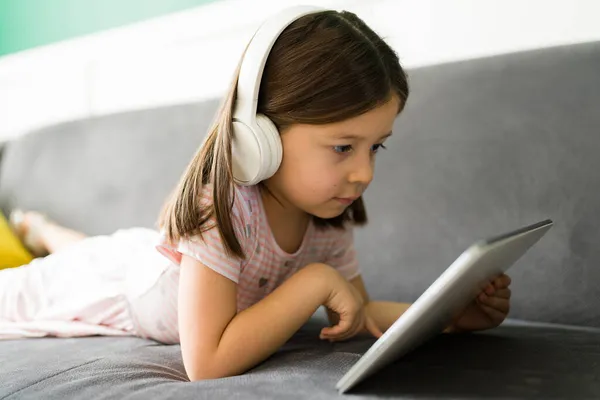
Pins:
x: 329, y: 211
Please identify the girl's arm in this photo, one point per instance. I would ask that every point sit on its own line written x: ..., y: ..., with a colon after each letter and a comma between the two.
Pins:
x: 216, y: 342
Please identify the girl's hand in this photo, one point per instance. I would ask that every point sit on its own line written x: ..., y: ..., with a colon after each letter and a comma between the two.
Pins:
x: 347, y: 302
x: 488, y: 310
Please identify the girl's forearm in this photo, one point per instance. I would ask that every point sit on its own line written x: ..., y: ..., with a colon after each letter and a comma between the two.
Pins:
x: 257, y: 332
x: 385, y: 313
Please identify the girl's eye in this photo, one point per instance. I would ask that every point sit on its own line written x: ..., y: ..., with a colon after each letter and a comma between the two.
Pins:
x: 342, y: 149
x: 378, y: 146
x: 347, y: 148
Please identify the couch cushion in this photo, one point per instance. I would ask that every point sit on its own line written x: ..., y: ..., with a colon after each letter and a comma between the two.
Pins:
x: 515, y: 361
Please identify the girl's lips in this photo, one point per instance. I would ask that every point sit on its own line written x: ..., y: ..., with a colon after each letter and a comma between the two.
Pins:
x: 346, y: 200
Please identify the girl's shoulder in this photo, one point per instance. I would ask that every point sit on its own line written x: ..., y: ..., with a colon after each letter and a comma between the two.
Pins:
x: 245, y: 210
x: 247, y: 198
x: 208, y: 246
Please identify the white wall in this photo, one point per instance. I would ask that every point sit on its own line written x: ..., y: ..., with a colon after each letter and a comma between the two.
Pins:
x: 191, y: 55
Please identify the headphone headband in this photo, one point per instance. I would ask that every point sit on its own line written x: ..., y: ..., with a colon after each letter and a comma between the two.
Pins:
x: 256, y: 147
x: 255, y: 58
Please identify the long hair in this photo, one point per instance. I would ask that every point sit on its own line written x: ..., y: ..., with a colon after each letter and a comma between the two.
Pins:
x: 323, y: 68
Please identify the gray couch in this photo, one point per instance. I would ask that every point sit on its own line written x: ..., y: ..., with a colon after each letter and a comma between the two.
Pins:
x: 484, y: 146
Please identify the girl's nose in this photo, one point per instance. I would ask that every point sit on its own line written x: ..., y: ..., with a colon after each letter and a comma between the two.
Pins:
x: 362, y: 171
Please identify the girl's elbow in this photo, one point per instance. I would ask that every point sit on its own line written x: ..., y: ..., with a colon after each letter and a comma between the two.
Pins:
x: 206, y: 370
x: 203, y: 374
x: 208, y: 374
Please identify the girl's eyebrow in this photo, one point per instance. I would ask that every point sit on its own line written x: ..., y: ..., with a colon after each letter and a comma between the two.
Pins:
x: 354, y: 137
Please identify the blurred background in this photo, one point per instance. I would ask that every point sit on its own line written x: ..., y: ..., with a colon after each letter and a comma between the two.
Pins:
x: 69, y: 59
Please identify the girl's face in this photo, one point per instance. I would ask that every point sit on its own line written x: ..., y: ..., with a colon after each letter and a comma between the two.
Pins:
x: 326, y: 167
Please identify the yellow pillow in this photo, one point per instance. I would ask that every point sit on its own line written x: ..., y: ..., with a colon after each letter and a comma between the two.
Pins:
x: 12, y: 252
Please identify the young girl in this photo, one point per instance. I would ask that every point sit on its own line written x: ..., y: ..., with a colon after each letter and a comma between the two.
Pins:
x: 240, y: 268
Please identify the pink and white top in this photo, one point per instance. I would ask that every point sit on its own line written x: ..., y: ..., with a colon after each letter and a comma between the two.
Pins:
x: 265, y: 267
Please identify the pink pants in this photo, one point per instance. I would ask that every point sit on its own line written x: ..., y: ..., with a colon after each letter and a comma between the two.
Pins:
x: 85, y: 289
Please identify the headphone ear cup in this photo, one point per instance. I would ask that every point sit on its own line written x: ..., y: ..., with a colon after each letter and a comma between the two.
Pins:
x: 271, y: 159
x: 246, y: 155
x: 256, y: 151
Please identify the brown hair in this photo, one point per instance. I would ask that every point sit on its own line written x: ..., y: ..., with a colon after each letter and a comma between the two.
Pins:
x: 323, y: 68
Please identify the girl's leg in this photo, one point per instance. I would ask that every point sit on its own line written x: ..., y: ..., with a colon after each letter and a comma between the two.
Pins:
x: 41, y: 235
x: 55, y: 237
x: 64, y: 295
x: 78, y: 291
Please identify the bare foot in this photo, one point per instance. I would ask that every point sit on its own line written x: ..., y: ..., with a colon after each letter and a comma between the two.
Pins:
x: 27, y: 225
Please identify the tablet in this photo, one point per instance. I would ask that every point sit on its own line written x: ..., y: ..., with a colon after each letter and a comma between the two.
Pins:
x: 445, y: 299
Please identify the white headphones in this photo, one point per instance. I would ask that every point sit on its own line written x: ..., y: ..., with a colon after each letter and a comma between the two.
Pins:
x: 257, y: 150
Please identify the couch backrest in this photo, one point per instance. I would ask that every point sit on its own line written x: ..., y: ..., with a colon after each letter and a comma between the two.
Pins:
x: 104, y: 173
x: 483, y: 147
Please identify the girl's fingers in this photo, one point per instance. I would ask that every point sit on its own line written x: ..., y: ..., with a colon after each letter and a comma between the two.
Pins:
x: 495, y: 316
x: 342, y: 326
x: 372, y: 327
x: 498, y: 303
x: 356, y: 327
x: 503, y: 293
x: 339, y: 332
x: 362, y: 321
x: 501, y: 282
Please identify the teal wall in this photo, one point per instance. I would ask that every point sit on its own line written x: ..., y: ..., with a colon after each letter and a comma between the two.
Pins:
x: 25, y: 24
